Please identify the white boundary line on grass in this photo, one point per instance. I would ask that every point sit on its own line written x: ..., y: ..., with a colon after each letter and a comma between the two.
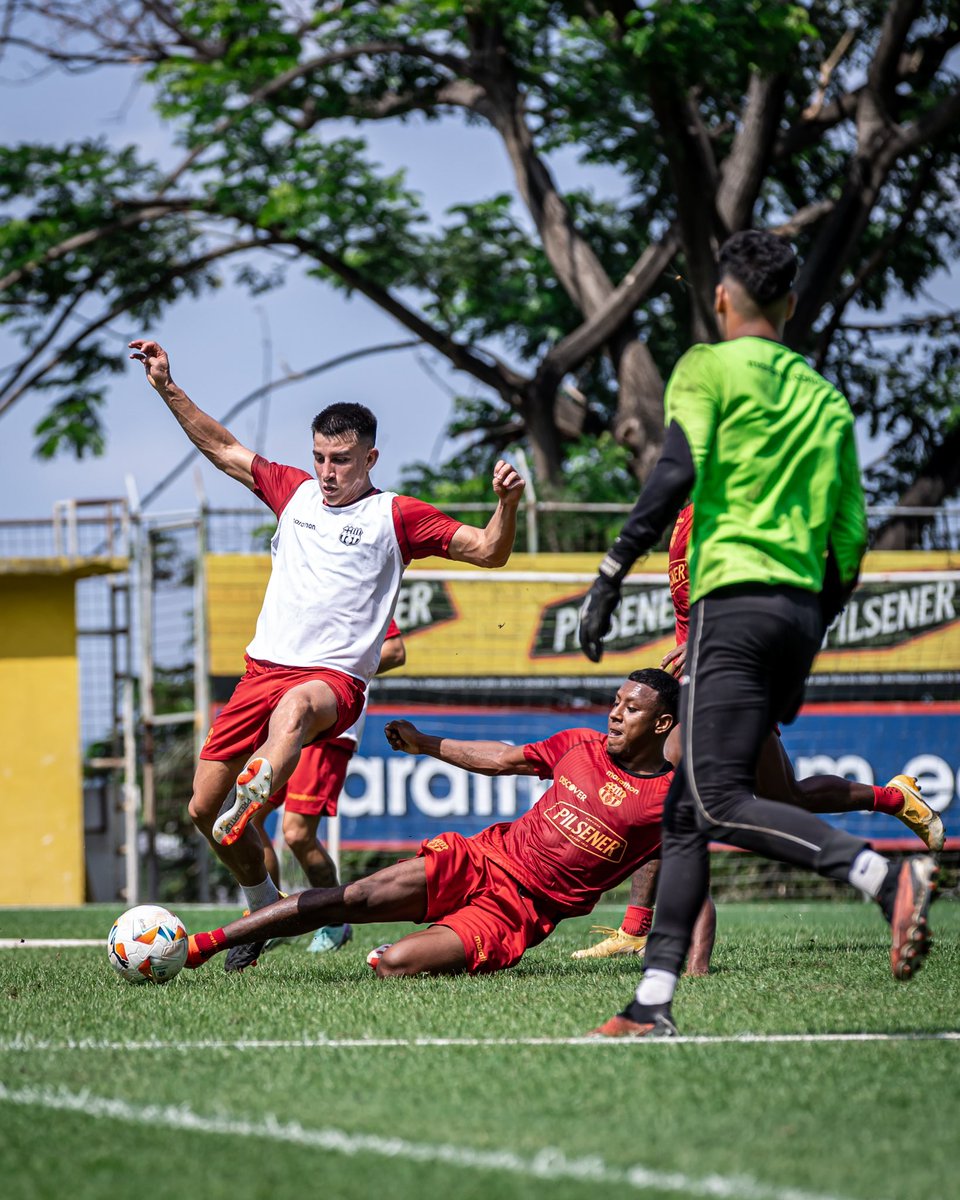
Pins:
x: 26, y: 1044
x: 48, y: 943
x: 548, y: 1163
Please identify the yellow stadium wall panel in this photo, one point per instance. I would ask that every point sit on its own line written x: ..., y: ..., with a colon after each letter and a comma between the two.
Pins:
x: 39, y: 714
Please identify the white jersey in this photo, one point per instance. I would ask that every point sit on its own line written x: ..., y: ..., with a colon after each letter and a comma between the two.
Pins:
x: 336, y: 571
x: 335, y: 578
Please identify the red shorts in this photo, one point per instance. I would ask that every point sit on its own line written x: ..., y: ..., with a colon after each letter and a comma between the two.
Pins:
x: 317, y: 781
x: 493, y: 916
x: 241, y: 725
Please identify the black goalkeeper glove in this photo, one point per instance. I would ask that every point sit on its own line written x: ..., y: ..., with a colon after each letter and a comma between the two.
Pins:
x: 598, y: 606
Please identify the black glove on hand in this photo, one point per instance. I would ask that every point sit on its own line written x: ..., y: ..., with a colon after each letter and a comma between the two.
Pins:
x: 596, y: 611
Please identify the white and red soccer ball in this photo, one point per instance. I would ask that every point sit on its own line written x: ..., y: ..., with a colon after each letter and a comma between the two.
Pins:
x: 147, y: 944
x: 374, y: 956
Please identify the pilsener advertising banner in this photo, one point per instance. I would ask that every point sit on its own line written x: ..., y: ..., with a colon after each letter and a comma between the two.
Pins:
x: 514, y: 630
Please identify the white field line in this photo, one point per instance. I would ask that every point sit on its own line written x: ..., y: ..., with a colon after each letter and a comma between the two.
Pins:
x: 49, y: 943
x: 29, y: 1044
x: 548, y: 1163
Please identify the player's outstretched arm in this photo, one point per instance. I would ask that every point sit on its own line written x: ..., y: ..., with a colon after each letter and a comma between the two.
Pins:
x: 211, y: 438
x: 491, y: 546
x: 486, y: 758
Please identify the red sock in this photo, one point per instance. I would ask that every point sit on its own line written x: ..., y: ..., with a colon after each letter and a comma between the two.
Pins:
x: 637, y: 920
x: 203, y: 946
x: 887, y: 800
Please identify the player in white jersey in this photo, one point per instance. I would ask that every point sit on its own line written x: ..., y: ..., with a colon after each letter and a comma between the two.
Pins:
x: 338, y: 555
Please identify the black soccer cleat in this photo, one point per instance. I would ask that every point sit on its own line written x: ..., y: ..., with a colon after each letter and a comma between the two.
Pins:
x: 239, y: 958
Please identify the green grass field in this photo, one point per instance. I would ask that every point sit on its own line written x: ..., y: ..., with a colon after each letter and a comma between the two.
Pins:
x: 309, y: 1077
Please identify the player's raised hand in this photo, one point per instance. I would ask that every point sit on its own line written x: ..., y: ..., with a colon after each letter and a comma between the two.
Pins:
x: 508, y: 483
x: 402, y: 735
x: 155, y: 362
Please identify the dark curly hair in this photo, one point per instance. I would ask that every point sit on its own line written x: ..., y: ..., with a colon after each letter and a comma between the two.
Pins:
x: 762, y: 263
x: 664, y: 684
x: 338, y: 420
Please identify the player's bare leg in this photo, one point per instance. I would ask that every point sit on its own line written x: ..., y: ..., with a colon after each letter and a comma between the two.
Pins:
x: 300, y: 833
x: 701, y: 943
x: 900, y: 798
x: 434, y: 951
x: 302, y: 714
x: 212, y: 784
x: 397, y: 893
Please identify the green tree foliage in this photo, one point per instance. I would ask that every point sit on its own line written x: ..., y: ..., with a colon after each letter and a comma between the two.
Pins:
x: 834, y: 121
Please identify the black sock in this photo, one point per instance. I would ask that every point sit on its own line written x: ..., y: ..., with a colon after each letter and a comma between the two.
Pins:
x: 888, y: 890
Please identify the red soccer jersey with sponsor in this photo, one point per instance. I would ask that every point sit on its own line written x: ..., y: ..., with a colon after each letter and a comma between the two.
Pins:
x: 679, y: 572
x: 592, y: 829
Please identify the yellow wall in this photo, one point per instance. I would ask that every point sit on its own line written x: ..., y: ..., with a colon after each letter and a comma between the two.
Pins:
x: 40, y: 772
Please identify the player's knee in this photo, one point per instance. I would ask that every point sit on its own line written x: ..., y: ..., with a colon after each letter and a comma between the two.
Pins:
x: 299, y: 840
x: 201, y: 815
x: 399, y: 960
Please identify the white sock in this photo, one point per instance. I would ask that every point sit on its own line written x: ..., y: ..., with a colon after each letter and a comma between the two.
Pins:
x: 259, y: 895
x: 656, y: 987
x: 868, y: 872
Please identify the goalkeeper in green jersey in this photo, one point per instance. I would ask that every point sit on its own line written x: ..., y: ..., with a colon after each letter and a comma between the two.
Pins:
x: 765, y: 448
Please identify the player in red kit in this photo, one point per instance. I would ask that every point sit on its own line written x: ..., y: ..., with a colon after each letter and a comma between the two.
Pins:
x: 490, y: 897
x: 776, y: 779
x: 337, y: 559
x: 311, y: 792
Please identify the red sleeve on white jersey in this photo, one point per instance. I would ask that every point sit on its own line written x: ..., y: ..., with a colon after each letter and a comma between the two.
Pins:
x: 545, y: 755
x: 422, y: 530
x: 393, y: 630
x: 680, y: 572
x: 274, y: 483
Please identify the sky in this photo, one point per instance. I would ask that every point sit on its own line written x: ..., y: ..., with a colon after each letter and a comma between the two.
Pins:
x: 217, y: 343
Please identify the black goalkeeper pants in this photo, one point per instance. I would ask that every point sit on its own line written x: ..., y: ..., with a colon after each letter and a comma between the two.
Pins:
x: 749, y: 653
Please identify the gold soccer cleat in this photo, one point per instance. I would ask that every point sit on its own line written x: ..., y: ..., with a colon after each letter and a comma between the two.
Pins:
x: 615, y: 943
x: 917, y: 814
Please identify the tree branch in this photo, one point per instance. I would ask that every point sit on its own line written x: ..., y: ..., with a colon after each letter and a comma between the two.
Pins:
x: 743, y: 171
x: 489, y: 370
x: 121, y: 305
x: 146, y: 213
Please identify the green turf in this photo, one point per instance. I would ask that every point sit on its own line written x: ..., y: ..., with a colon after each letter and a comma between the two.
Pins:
x: 858, y: 1120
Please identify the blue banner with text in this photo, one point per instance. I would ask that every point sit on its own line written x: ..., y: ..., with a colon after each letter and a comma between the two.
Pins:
x: 395, y: 800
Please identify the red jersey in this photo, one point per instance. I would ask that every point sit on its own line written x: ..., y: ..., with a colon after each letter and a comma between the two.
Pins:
x: 679, y: 572
x: 591, y: 830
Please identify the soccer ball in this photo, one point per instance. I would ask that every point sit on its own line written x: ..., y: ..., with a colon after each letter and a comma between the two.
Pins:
x: 373, y: 958
x: 147, y: 944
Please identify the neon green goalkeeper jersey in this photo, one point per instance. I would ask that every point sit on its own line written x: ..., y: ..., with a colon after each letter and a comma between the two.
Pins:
x: 778, y: 478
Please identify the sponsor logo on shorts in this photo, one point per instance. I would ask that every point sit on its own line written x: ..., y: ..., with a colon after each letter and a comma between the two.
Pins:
x: 437, y: 844
x: 350, y: 535
x: 481, y: 953
x: 586, y: 831
x: 612, y: 795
